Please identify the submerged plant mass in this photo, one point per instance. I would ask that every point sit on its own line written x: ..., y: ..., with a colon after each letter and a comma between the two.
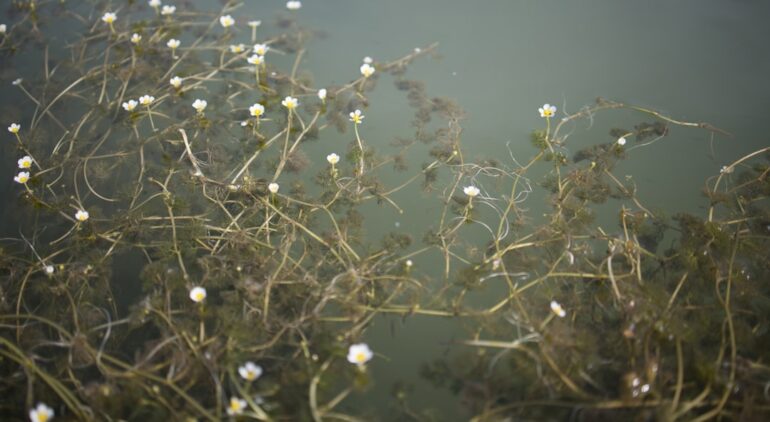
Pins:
x: 192, y: 238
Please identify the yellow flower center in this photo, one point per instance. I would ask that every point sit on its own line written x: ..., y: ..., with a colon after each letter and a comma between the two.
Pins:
x: 360, y: 357
x: 199, y: 296
x: 42, y: 417
x: 547, y: 113
x: 23, y: 179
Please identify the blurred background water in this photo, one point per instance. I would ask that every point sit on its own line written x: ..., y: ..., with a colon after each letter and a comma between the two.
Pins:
x: 695, y: 60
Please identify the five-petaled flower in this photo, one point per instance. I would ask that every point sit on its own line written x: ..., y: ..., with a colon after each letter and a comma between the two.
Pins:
x: 197, y: 294
x: 176, y: 82
x: 333, y: 158
x: 293, y: 5
x: 356, y: 117
x: 273, y: 188
x: 547, y: 110
x: 130, y: 105
x: 173, y: 43
x: 226, y: 21
x: 237, y: 48
x: 14, y: 128
x: 257, y: 110
x: 22, y: 177
x: 146, y: 100
x: 255, y: 59
x: 168, y: 10
x: 557, y: 309
x: 250, y: 371
x: 261, y: 49
x: 81, y: 215
x: 200, y: 105
x: 41, y: 413
x: 471, y: 191
x: 322, y: 94
x: 359, y: 354
x: 25, y: 162
x: 367, y: 70
x: 109, y: 18
x: 290, y: 102
x: 236, y: 406
x: 135, y: 38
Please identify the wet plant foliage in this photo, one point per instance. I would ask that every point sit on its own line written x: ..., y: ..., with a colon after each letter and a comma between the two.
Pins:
x: 653, y: 317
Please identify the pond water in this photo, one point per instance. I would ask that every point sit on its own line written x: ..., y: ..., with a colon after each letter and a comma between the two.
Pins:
x: 294, y: 278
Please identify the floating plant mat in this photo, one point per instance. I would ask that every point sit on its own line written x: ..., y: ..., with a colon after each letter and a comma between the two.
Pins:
x: 194, y: 231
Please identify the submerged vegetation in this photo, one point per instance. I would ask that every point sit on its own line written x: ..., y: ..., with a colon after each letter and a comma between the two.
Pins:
x: 179, y: 250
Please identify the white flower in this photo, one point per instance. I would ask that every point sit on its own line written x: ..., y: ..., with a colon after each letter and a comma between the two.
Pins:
x: 261, y: 49
x: 3, y: 28
x: 135, y: 38
x: 333, y: 158
x: 41, y: 413
x: 199, y: 105
x: 226, y: 21
x: 557, y: 309
x: 293, y: 5
x: 255, y: 24
x: 237, y: 48
x: 273, y: 187
x: 726, y: 169
x: 146, y: 100
x: 49, y: 269
x: 255, y: 59
x: 176, y: 82
x: 173, y: 43
x: 290, y: 102
x: 17, y: 82
x: 356, y: 116
x: 359, y: 354
x: 109, y: 17
x: 621, y: 141
x: 236, y: 406
x: 367, y: 70
x: 25, y: 162
x: 408, y: 263
x: 81, y: 215
x: 250, y: 371
x: 154, y: 3
x: 197, y: 294
x: 368, y: 60
x: 547, y: 110
x: 22, y: 177
x: 257, y: 110
x: 130, y: 105
x: 471, y: 191
x: 322, y: 94
x: 14, y: 128
x: 168, y: 10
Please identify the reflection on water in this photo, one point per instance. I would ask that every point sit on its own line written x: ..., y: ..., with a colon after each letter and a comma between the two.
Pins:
x: 200, y: 231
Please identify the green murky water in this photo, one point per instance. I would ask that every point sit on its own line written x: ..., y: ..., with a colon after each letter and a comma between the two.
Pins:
x: 589, y: 279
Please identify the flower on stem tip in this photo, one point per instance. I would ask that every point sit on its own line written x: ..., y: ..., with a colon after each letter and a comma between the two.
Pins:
x: 197, y: 294
x: 255, y: 59
x: 359, y: 354
x: 293, y: 5
x: 146, y: 100
x: 109, y: 18
x: 3, y: 28
x: 81, y: 215
x: 621, y: 141
x: 25, y: 162
x: 237, y: 48
x: 226, y: 21
x: 176, y: 82
x: 22, y: 177
x: 257, y: 110
x: 130, y: 105
x: 367, y: 70
x: 200, y: 105
x: 471, y: 191
x: 41, y: 413
x: 49, y: 269
x: 547, y: 110
x: 236, y: 406
x: 14, y: 128
x: 154, y: 3
x: 261, y: 49
x: 273, y: 188
x: 333, y: 158
x: 290, y: 102
x: 255, y: 24
x: 250, y: 371
x: 135, y: 38
x: 168, y: 10
x: 356, y: 117
x: 322, y: 94
x: 557, y: 309
x: 173, y: 43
